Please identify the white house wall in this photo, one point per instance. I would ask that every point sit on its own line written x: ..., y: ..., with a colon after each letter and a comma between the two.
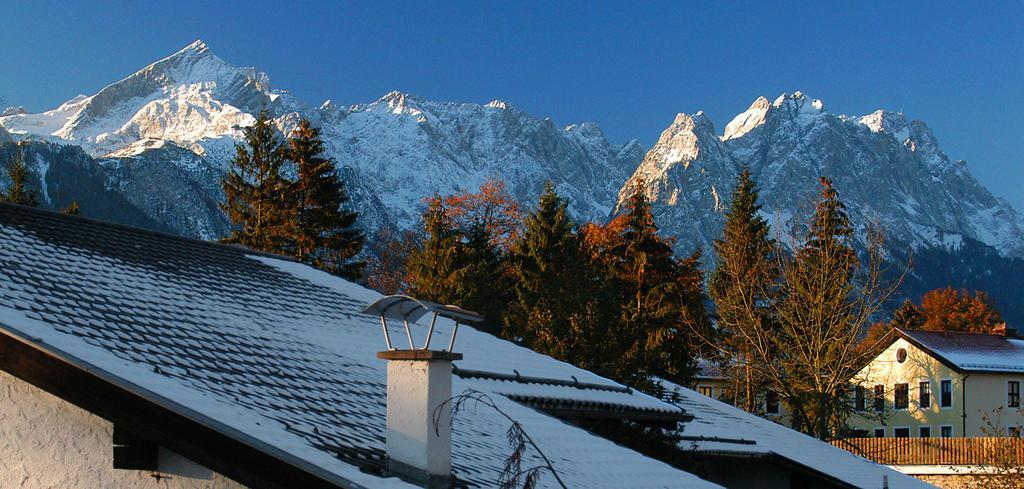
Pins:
x: 46, y: 442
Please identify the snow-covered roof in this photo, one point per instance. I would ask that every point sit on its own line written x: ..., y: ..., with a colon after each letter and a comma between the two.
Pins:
x: 971, y: 352
x: 277, y: 355
x: 709, y: 370
x: 721, y: 429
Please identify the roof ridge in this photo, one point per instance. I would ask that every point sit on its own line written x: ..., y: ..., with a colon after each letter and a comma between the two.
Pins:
x: 972, y: 333
x: 139, y: 230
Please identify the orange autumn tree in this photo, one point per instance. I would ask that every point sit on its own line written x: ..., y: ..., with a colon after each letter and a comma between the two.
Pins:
x: 946, y: 309
x: 491, y: 208
x: 952, y: 309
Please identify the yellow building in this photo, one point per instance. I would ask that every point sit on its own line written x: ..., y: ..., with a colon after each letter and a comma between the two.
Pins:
x: 712, y: 382
x: 940, y: 384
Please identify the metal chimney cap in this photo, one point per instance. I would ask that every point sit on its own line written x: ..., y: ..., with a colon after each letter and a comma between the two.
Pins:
x: 406, y: 308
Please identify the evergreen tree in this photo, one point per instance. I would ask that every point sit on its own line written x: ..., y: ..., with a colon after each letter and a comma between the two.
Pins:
x: 257, y: 201
x: 908, y: 316
x: 741, y: 287
x: 323, y: 231
x: 661, y: 299
x: 18, y: 193
x: 433, y: 265
x: 459, y: 266
x: 554, y: 284
x: 819, y: 320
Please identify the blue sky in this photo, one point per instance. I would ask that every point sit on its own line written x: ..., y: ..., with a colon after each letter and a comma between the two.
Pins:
x: 629, y: 66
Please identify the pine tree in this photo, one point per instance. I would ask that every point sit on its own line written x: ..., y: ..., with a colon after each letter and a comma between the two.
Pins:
x: 434, y: 264
x: 662, y: 298
x: 818, y: 320
x: 740, y: 287
x: 323, y: 231
x: 554, y: 283
x: 459, y: 266
x: 19, y: 193
x: 257, y: 201
x: 908, y: 316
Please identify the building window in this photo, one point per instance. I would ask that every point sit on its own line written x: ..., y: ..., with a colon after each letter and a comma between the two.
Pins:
x: 925, y: 432
x: 902, y: 400
x: 879, y: 432
x: 946, y: 431
x: 705, y: 390
x: 859, y: 395
x: 901, y: 432
x: 924, y: 394
x: 879, y: 397
x: 771, y: 402
x: 1013, y: 393
x: 947, y: 393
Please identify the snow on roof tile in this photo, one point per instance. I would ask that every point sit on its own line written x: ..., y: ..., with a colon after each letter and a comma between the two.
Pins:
x: 275, y: 353
x: 718, y: 427
x: 972, y: 352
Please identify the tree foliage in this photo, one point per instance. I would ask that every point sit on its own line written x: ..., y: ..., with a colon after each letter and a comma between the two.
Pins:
x: 387, y: 256
x: 951, y: 309
x: 490, y: 208
x: 306, y: 217
x: 18, y: 192
x: 459, y: 266
x: 256, y: 192
x: 322, y: 229
x: 659, y: 298
x: 556, y: 289
x: 799, y: 319
x: 741, y: 288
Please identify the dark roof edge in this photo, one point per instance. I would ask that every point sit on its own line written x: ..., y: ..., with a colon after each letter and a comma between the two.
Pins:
x: 775, y: 457
x: 145, y: 231
x: 182, y: 410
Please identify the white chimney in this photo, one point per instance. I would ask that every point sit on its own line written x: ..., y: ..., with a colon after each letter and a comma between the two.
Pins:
x: 419, y: 416
x: 419, y: 436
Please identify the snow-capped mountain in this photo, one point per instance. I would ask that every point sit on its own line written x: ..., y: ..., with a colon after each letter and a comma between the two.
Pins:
x: 151, y: 148
x: 166, y: 135
x: 887, y: 169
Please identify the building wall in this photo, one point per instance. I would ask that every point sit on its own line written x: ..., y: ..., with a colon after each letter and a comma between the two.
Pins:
x: 46, y: 442
x: 985, y: 393
x: 718, y: 388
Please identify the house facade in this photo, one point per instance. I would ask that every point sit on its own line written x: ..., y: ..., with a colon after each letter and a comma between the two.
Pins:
x: 712, y: 382
x: 942, y: 384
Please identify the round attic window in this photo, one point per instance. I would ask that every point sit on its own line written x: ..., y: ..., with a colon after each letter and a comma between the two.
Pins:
x: 901, y: 355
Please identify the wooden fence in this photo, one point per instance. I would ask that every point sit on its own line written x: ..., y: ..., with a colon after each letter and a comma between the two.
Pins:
x: 938, y: 451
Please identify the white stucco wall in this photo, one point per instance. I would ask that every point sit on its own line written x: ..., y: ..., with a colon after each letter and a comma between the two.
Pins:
x: 46, y: 442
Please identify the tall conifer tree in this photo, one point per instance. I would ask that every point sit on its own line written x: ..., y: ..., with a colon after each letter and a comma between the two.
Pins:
x: 741, y: 287
x: 323, y: 230
x: 18, y: 193
x: 257, y: 200
x: 434, y: 265
x: 819, y: 319
x: 554, y: 283
x: 662, y: 298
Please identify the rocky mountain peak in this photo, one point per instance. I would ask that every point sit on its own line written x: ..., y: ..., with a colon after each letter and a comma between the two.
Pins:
x: 498, y: 104
x: 885, y: 121
x: 745, y: 121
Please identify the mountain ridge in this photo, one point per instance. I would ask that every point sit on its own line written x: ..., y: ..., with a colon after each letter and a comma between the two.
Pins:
x: 161, y: 138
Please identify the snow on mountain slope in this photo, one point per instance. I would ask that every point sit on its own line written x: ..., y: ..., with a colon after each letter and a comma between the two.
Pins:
x: 887, y: 169
x: 395, y: 151
x: 186, y: 97
x: 410, y: 148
